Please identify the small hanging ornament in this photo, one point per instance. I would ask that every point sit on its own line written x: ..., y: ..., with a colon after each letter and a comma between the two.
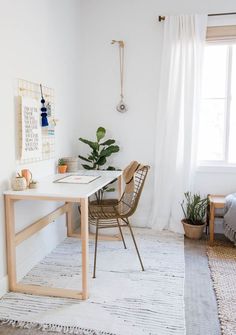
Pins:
x: 121, y: 107
x: 43, y: 110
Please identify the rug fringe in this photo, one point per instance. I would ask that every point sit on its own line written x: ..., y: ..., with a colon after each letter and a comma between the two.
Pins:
x: 52, y: 327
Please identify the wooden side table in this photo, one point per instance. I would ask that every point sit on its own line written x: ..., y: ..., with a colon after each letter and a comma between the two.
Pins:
x: 215, y: 201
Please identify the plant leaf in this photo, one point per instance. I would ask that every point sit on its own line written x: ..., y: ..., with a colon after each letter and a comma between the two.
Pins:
x: 110, y: 189
x: 195, y: 208
x: 109, y: 150
x: 111, y: 168
x: 101, y: 161
x: 85, y: 159
x: 93, y: 145
x: 87, y: 167
x: 108, y: 142
x: 101, y: 132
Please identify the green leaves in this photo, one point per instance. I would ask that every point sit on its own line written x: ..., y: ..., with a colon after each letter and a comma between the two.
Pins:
x: 100, y: 151
x: 93, y: 145
x: 108, y: 142
x: 101, y: 161
x: 87, y: 167
x: 194, y: 208
x: 109, y: 150
x: 111, y: 168
x: 84, y: 159
x: 101, y: 132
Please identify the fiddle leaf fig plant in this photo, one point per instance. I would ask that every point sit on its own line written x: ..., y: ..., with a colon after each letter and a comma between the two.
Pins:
x: 100, y: 151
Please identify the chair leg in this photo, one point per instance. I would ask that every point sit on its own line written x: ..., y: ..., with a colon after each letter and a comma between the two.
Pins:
x: 121, y: 234
x: 135, y: 244
x: 95, y: 251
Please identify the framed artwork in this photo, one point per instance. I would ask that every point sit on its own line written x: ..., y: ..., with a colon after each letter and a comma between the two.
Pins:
x: 31, y: 146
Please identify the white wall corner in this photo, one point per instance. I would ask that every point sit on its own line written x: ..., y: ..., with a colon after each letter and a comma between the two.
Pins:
x: 3, y: 286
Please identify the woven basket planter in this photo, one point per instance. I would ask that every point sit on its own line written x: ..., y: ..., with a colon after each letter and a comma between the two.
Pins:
x: 193, y: 231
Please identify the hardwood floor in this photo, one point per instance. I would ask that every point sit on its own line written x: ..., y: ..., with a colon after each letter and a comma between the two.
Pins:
x: 200, y: 303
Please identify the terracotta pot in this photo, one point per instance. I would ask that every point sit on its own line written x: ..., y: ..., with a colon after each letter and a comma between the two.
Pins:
x: 62, y: 168
x: 193, y: 231
x: 27, y: 174
x: 72, y: 163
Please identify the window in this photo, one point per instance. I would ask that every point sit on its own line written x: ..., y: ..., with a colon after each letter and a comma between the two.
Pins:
x: 217, y: 124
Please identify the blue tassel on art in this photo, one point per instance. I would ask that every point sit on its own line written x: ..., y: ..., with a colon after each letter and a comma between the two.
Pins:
x: 43, y: 110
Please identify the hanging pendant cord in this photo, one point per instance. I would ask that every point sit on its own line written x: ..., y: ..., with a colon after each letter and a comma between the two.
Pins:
x: 121, y: 56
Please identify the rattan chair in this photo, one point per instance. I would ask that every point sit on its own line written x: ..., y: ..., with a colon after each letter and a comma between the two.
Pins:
x: 117, y: 213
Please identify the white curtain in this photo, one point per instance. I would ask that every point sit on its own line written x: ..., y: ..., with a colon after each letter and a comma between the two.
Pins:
x: 183, y: 45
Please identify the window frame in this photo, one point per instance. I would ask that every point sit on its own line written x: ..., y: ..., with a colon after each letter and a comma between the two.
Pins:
x: 215, y: 165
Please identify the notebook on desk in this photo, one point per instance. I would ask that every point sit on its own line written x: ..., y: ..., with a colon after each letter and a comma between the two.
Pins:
x: 76, y: 179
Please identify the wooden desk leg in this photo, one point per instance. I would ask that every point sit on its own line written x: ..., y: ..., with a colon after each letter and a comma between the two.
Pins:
x: 85, y: 239
x: 10, y: 238
x: 69, y: 220
x: 212, y: 223
x: 120, y: 189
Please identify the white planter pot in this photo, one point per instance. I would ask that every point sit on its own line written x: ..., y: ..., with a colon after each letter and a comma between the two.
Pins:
x: 19, y: 184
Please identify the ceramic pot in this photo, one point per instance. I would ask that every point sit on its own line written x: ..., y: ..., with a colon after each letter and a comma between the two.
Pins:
x: 62, y: 168
x: 27, y: 174
x: 193, y: 231
x: 72, y: 163
x: 33, y: 185
x: 19, y: 184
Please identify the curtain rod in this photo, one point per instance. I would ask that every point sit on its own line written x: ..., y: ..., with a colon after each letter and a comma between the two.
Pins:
x: 162, y: 18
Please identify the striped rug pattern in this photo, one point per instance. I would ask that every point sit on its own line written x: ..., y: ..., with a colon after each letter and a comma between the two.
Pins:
x: 222, y: 263
x: 123, y: 299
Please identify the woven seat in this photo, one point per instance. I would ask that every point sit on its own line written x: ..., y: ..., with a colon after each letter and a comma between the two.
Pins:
x: 112, y: 213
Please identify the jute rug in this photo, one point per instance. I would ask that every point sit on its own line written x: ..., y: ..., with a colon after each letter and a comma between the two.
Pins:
x: 222, y: 262
x: 123, y: 299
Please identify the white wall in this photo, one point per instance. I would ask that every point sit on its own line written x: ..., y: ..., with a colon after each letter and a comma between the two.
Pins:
x: 39, y: 42
x: 46, y: 41
x: 136, y: 22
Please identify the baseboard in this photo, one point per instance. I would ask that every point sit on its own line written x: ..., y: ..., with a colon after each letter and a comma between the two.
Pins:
x: 3, y: 286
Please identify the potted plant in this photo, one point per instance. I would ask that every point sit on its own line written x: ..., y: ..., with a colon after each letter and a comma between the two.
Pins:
x: 195, y: 210
x: 98, y: 155
x: 61, y: 166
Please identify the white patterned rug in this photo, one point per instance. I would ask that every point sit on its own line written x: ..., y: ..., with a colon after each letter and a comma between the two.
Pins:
x: 123, y: 299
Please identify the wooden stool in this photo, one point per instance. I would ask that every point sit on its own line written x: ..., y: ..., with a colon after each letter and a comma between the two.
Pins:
x: 215, y: 202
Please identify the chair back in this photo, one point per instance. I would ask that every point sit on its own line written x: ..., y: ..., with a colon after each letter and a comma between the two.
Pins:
x: 129, y: 201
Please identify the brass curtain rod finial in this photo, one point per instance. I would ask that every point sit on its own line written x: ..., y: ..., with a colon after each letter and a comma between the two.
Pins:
x: 121, y: 43
x: 161, y: 18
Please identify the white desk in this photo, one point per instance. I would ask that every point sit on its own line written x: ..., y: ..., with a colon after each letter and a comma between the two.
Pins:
x: 68, y: 193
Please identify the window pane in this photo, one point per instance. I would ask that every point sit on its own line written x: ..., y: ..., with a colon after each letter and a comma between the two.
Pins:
x: 232, y: 133
x: 232, y: 128
x: 215, y: 71
x: 212, y: 130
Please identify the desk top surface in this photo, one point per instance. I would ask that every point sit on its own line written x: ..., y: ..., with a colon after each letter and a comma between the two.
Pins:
x: 48, y: 188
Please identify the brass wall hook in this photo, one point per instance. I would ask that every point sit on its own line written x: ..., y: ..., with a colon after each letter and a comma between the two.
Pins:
x: 121, y: 43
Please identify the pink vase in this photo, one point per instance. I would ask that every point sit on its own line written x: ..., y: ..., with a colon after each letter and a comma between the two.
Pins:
x: 27, y: 174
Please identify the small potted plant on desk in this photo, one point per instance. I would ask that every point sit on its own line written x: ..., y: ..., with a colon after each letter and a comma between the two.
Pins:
x: 62, y: 167
x: 195, y: 210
